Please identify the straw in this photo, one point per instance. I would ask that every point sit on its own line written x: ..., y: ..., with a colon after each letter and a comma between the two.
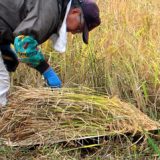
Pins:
x: 40, y: 116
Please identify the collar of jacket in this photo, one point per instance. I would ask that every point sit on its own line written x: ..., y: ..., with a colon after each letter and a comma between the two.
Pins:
x: 62, y: 9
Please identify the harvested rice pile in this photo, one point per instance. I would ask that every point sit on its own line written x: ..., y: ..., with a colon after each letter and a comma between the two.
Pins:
x: 37, y: 116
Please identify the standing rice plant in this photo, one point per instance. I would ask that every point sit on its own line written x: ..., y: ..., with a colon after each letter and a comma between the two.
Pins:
x: 122, y: 58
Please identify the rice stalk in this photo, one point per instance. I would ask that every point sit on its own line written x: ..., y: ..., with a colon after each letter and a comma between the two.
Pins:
x: 41, y: 115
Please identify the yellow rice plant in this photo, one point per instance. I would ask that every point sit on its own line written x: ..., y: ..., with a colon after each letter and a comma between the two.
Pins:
x: 122, y: 58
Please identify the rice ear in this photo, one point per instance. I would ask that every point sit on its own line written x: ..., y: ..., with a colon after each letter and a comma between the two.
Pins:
x: 38, y: 116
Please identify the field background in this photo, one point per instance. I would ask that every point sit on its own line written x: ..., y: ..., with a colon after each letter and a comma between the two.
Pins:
x: 122, y: 60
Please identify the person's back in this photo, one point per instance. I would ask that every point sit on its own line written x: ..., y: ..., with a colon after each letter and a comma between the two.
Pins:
x: 11, y: 13
x: 28, y: 17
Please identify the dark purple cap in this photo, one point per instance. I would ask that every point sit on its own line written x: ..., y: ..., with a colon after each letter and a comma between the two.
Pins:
x: 91, y: 17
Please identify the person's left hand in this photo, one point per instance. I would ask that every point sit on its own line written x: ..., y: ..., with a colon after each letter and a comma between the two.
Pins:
x: 52, y: 79
x: 27, y: 50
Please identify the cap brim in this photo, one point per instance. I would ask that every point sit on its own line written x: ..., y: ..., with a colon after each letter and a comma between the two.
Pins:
x: 85, y: 34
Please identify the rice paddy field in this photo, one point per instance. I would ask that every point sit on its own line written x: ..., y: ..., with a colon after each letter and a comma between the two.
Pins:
x: 109, y: 106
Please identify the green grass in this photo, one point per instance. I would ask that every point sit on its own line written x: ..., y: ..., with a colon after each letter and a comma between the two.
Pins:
x: 111, y: 149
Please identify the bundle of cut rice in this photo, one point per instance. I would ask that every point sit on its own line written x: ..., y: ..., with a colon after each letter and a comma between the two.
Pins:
x: 37, y: 116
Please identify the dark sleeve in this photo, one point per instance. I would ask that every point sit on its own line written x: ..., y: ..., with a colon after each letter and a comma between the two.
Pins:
x: 40, y: 21
x: 42, y: 67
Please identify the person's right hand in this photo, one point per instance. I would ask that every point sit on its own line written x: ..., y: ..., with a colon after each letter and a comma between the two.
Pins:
x: 9, y: 57
x: 52, y: 79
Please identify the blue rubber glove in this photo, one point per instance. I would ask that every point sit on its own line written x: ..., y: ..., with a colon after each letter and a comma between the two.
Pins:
x: 52, y: 79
